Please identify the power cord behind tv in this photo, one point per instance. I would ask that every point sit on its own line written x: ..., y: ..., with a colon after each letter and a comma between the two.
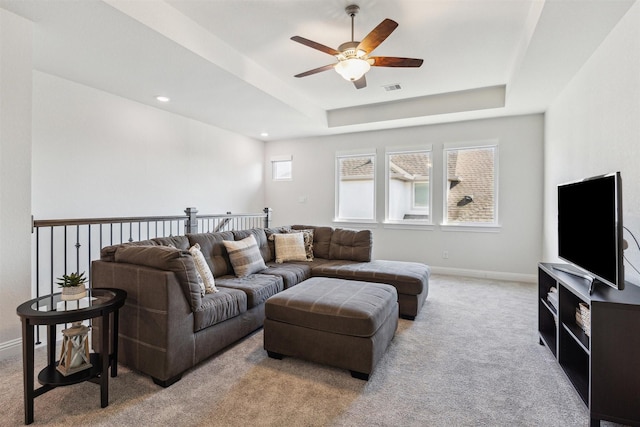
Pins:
x: 637, y: 245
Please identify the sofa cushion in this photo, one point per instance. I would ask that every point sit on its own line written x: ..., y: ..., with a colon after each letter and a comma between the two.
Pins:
x: 108, y: 252
x: 245, y: 256
x: 321, y: 239
x: 290, y: 247
x: 257, y: 287
x: 180, y: 242
x: 208, y: 282
x: 218, y: 307
x: 261, y: 240
x: 353, y: 245
x: 213, y: 250
x: 169, y: 259
x: 409, y: 278
x: 292, y: 273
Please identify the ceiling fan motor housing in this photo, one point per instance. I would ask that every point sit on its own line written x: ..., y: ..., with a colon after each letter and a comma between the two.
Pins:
x: 350, y: 50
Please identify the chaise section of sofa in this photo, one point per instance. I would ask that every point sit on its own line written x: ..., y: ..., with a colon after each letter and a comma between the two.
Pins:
x: 169, y: 323
x: 347, y: 254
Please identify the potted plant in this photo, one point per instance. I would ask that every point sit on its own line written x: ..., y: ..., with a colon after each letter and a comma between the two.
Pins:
x: 72, y: 286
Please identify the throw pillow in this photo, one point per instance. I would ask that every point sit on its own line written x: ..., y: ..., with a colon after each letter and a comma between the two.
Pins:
x: 208, y: 282
x: 245, y: 256
x: 308, y: 242
x: 290, y: 247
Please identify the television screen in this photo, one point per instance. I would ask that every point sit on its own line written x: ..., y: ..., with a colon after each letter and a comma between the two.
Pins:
x: 590, y: 227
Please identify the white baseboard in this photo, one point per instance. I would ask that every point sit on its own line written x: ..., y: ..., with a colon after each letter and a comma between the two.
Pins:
x: 10, y: 348
x: 496, y: 275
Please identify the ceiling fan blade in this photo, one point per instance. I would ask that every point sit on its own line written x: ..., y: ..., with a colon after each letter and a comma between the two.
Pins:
x: 314, y: 45
x: 392, y: 61
x: 360, y: 83
x: 377, y: 35
x: 315, y: 70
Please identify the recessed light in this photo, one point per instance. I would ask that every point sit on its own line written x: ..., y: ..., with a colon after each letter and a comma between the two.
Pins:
x: 163, y: 98
x: 264, y: 134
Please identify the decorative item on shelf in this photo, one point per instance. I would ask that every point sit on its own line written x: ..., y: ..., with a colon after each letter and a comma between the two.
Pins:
x: 583, y: 318
x: 72, y: 286
x: 74, y: 356
x: 552, y: 297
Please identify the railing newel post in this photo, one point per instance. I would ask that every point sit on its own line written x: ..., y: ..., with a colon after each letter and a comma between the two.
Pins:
x: 191, y: 226
x: 267, y: 218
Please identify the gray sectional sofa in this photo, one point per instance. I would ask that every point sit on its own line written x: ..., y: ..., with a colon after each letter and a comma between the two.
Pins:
x: 169, y: 324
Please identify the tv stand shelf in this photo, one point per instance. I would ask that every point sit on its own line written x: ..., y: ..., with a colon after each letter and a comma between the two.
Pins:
x: 604, y: 366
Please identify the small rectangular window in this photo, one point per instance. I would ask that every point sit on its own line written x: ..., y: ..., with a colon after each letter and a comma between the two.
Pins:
x: 471, y: 185
x: 355, y: 187
x: 281, y: 168
x: 408, y: 190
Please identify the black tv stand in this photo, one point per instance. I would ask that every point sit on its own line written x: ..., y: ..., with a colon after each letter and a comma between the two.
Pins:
x: 602, y: 362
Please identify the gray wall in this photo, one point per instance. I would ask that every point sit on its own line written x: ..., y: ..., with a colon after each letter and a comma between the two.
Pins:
x: 15, y: 175
x: 96, y: 154
x: 512, y: 252
x: 593, y: 127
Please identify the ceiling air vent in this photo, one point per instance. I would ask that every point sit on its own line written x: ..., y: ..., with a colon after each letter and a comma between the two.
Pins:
x: 395, y: 86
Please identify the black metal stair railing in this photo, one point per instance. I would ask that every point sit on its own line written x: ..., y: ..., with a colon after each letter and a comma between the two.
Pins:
x: 62, y: 246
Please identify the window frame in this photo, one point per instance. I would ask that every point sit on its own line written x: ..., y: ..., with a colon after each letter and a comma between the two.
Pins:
x: 409, y: 223
x: 350, y: 154
x: 281, y: 159
x: 493, y: 226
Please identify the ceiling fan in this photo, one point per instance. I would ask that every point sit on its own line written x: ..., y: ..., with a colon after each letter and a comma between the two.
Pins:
x: 353, y: 57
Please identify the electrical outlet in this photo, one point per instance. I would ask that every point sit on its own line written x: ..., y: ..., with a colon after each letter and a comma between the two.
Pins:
x: 445, y: 254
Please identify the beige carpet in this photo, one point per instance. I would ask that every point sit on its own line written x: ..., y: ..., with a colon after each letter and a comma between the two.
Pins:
x: 471, y: 358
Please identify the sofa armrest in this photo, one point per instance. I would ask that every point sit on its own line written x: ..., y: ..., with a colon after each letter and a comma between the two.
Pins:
x: 156, y: 323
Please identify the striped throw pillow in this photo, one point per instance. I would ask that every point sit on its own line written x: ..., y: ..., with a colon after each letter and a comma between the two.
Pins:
x: 245, y: 256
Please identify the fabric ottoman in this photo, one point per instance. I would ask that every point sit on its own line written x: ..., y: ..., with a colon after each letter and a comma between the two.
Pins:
x: 342, y: 323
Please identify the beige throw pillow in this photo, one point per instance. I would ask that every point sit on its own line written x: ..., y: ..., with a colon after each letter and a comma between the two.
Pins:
x: 208, y: 282
x: 308, y: 242
x: 290, y: 247
x: 245, y: 256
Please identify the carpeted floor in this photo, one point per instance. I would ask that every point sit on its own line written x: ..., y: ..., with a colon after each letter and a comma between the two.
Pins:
x: 471, y: 358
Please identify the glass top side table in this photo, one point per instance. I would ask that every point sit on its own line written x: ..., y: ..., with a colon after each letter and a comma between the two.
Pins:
x: 51, y: 310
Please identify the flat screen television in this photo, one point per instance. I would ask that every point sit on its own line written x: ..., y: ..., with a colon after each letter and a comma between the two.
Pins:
x: 590, y: 228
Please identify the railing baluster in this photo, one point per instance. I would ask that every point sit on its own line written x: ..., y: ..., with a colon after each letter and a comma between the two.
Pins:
x: 89, y: 254
x: 38, y: 277
x: 51, y: 265
x: 78, y: 245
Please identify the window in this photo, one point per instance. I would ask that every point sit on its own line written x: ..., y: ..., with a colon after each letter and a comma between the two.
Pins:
x: 408, y: 193
x: 471, y: 185
x: 355, y: 186
x: 281, y: 168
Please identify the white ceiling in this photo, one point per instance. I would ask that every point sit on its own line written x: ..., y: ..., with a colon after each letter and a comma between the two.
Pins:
x: 230, y: 63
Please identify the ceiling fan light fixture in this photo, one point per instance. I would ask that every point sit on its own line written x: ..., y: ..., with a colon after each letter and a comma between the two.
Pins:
x: 352, y: 69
